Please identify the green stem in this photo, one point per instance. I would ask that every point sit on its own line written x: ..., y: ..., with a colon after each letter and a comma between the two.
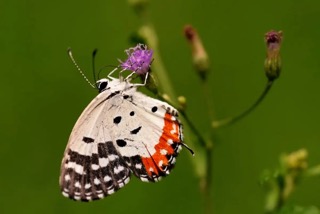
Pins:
x: 163, y: 78
x: 207, y: 190
x: 231, y: 120
x: 208, y: 99
x: 148, y: 33
x: 208, y: 150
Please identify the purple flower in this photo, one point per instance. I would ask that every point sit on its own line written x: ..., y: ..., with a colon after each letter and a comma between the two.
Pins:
x: 139, y: 59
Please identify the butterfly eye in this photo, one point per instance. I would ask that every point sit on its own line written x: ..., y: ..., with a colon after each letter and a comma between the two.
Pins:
x: 102, y: 85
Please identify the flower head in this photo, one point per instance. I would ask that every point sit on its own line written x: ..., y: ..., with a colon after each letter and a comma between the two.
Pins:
x: 273, y: 39
x: 139, y: 59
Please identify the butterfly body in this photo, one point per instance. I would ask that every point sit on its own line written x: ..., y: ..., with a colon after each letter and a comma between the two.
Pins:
x: 121, y: 132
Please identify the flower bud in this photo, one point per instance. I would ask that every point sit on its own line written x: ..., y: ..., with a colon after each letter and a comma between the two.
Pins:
x: 182, y: 102
x: 166, y: 97
x: 199, y: 55
x: 296, y: 160
x: 272, y: 63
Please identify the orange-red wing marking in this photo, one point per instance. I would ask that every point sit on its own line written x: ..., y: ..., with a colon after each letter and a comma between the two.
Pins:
x: 158, y: 162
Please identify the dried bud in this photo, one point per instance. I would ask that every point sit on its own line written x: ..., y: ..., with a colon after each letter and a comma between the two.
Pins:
x: 199, y: 54
x: 272, y: 63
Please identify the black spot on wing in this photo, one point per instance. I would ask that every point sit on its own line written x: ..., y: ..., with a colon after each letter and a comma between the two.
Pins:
x: 95, y: 159
x: 117, y: 119
x: 154, y: 109
x: 110, y: 96
x: 110, y: 148
x: 113, y: 94
x: 135, y: 131
x: 102, y: 150
x: 87, y: 139
x: 132, y: 113
x: 121, y: 142
x: 127, y: 97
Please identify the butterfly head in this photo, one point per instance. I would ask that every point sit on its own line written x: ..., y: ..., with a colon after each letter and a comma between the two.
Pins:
x: 102, y: 84
x: 111, y: 83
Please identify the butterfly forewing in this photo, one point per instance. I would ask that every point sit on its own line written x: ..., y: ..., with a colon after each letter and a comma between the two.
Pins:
x: 121, y: 131
x: 92, y: 168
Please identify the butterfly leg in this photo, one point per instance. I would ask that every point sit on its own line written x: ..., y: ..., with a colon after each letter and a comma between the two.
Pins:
x: 111, y: 72
x: 141, y: 84
x: 129, y: 76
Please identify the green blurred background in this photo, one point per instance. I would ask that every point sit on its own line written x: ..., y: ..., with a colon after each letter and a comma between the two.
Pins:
x: 42, y: 95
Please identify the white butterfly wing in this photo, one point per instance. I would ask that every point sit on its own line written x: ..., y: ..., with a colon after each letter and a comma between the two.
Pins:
x: 121, y: 131
x: 149, y: 136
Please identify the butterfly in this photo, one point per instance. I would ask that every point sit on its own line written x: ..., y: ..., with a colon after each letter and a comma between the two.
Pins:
x: 121, y: 132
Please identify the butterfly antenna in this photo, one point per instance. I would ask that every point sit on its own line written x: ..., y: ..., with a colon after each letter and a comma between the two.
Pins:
x: 79, y: 69
x: 187, y: 147
x: 94, y: 53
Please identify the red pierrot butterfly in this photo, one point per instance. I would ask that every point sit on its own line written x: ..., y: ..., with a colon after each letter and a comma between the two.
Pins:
x: 121, y: 132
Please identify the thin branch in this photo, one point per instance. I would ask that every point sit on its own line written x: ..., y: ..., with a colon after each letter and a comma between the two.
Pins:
x: 231, y: 120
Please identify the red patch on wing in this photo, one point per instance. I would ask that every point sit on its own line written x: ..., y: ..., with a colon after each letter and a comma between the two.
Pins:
x: 171, y: 131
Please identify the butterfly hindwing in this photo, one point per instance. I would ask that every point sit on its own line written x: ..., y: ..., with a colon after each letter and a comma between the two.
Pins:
x: 158, y: 141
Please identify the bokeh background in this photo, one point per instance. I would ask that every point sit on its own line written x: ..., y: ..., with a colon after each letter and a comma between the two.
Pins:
x: 42, y: 95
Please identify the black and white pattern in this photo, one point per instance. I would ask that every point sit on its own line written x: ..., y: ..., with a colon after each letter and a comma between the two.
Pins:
x: 117, y: 129
x: 93, y: 177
